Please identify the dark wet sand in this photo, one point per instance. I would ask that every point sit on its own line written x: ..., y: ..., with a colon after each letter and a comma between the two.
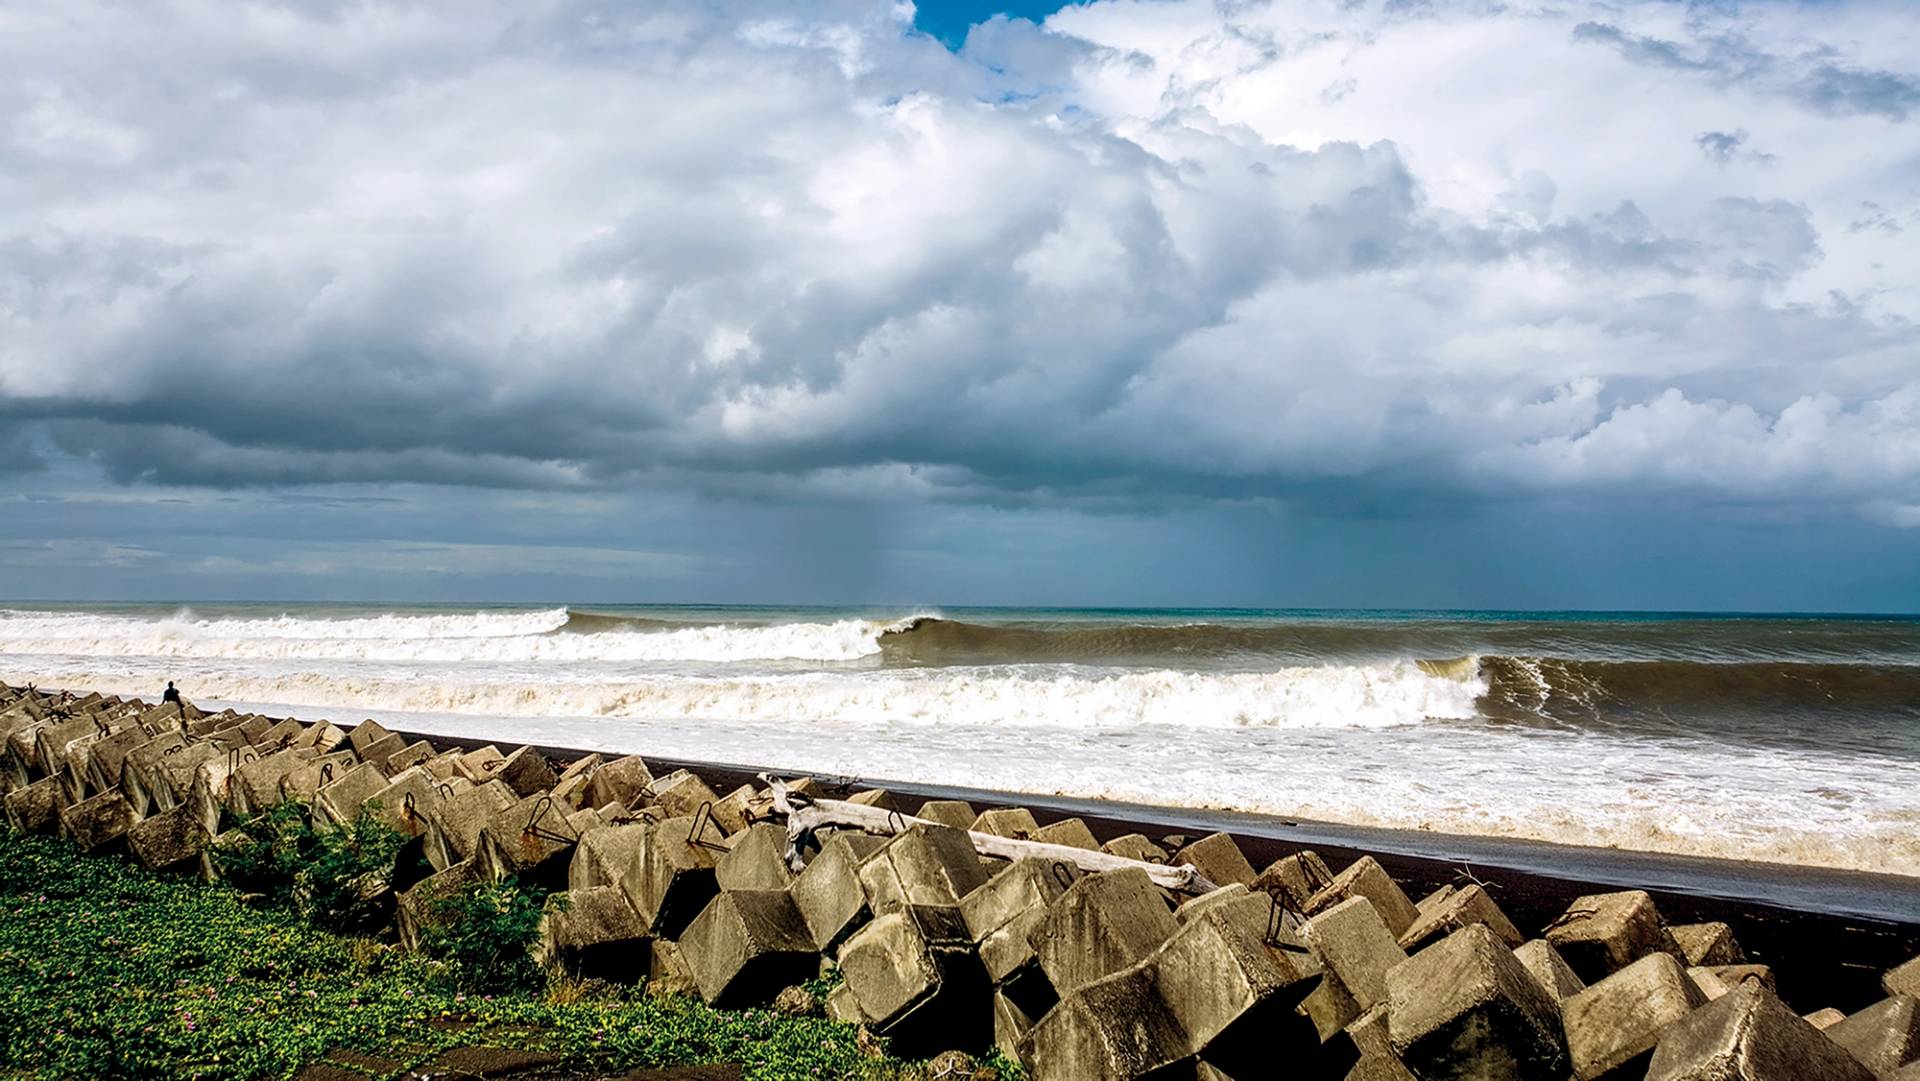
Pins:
x: 1828, y: 934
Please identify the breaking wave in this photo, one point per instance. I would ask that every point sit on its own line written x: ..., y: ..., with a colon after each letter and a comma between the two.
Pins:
x: 1372, y: 696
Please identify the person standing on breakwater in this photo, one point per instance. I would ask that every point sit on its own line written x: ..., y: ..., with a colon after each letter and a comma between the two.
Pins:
x: 171, y: 695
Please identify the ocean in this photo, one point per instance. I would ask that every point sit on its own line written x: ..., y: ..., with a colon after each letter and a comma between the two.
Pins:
x: 1788, y: 739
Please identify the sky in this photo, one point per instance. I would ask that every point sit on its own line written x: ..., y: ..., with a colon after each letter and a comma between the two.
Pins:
x: 1378, y: 303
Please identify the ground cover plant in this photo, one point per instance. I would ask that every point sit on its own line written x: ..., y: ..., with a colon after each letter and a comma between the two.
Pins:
x: 109, y: 971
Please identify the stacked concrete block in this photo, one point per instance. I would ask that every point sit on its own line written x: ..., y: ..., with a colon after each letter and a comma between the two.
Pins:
x: 1366, y: 878
x: 918, y: 980
x: 526, y: 772
x: 479, y: 765
x: 1071, y: 832
x: 1883, y: 1037
x: 1716, y: 980
x: 418, y: 910
x: 36, y: 807
x: 139, y: 780
x: 1551, y: 970
x: 1903, y: 979
x: 1707, y: 944
x: 529, y: 839
x: 1135, y: 846
x: 672, y: 880
x: 1356, y: 947
x: 1104, y: 923
x: 681, y: 793
x: 926, y: 865
x: 1015, y: 822
x: 168, y: 840
x: 625, y: 781
x: 1750, y: 1035
x: 454, y: 824
x: 1612, y: 1026
x: 594, y: 934
x: 1465, y: 1007
x: 756, y: 859
x: 828, y: 890
x: 603, y: 855
x: 338, y: 801
x: 1218, y: 858
x: 1456, y: 909
x: 1603, y: 933
x: 99, y: 822
x: 746, y: 945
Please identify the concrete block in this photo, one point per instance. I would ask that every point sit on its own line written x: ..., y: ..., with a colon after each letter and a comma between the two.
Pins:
x: 736, y: 810
x: 1366, y: 878
x: 595, y: 935
x: 603, y: 855
x: 279, y: 736
x: 1379, y: 1068
x: 948, y: 812
x: 254, y: 785
x: 1465, y: 1008
x: 918, y: 980
x: 106, y: 756
x: 1707, y: 944
x: 681, y: 794
x: 339, y: 802
x: 1555, y: 977
x: 1002, y: 914
x: 1904, y: 979
x: 1458, y: 909
x: 323, y: 737
x: 454, y: 824
x: 166, y: 783
x: 1015, y: 822
x: 1824, y: 1019
x: 529, y: 839
x: 668, y: 972
x: 622, y: 781
x: 926, y: 865
x: 1355, y: 945
x: 1748, y: 1034
x: 1885, y: 1036
x: 843, y: 1007
x: 526, y: 772
x: 1603, y: 933
x: 98, y: 822
x: 445, y: 767
x: 380, y: 750
x: 1716, y: 980
x: 406, y: 800
x: 1218, y: 858
x: 1116, y: 1028
x: 168, y: 840
x: 480, y: 765
x: 874, y: 797
x: 36, y: 808
x: 1010, y: 1025
x: 828, y: 890
x: 1071, y: 832
x: 303, y: 782
x: 416, y: 910
x: 413, y: 754
x: 1234, y: 996
x: 366, y: 734
x: 746, y: 945
x: 1613, y: 1025
x: 1105, y: 922
x: 757, y: 860
x: 1135, y: 846
x: 673, y: 878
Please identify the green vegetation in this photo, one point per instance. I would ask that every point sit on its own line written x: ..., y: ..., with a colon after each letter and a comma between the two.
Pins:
x: 107, y: 971
x: 334, y: 875
x: 486, y: 936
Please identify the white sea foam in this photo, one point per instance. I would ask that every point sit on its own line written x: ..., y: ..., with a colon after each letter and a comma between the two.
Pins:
x: 1391, y: 744
x: 1339, y: 696
x: 492, y: 637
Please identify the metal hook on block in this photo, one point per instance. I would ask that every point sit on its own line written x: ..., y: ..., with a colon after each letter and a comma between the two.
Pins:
x: 696, y: 834
x: 533, y: 827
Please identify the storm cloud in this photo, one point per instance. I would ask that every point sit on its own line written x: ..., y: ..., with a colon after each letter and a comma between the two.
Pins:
x: 1137, y: 256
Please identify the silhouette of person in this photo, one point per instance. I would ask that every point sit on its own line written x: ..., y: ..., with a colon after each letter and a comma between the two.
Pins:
x: 172, y: 695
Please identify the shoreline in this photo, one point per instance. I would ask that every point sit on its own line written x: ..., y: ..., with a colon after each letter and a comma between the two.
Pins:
x: 1822, y: 957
